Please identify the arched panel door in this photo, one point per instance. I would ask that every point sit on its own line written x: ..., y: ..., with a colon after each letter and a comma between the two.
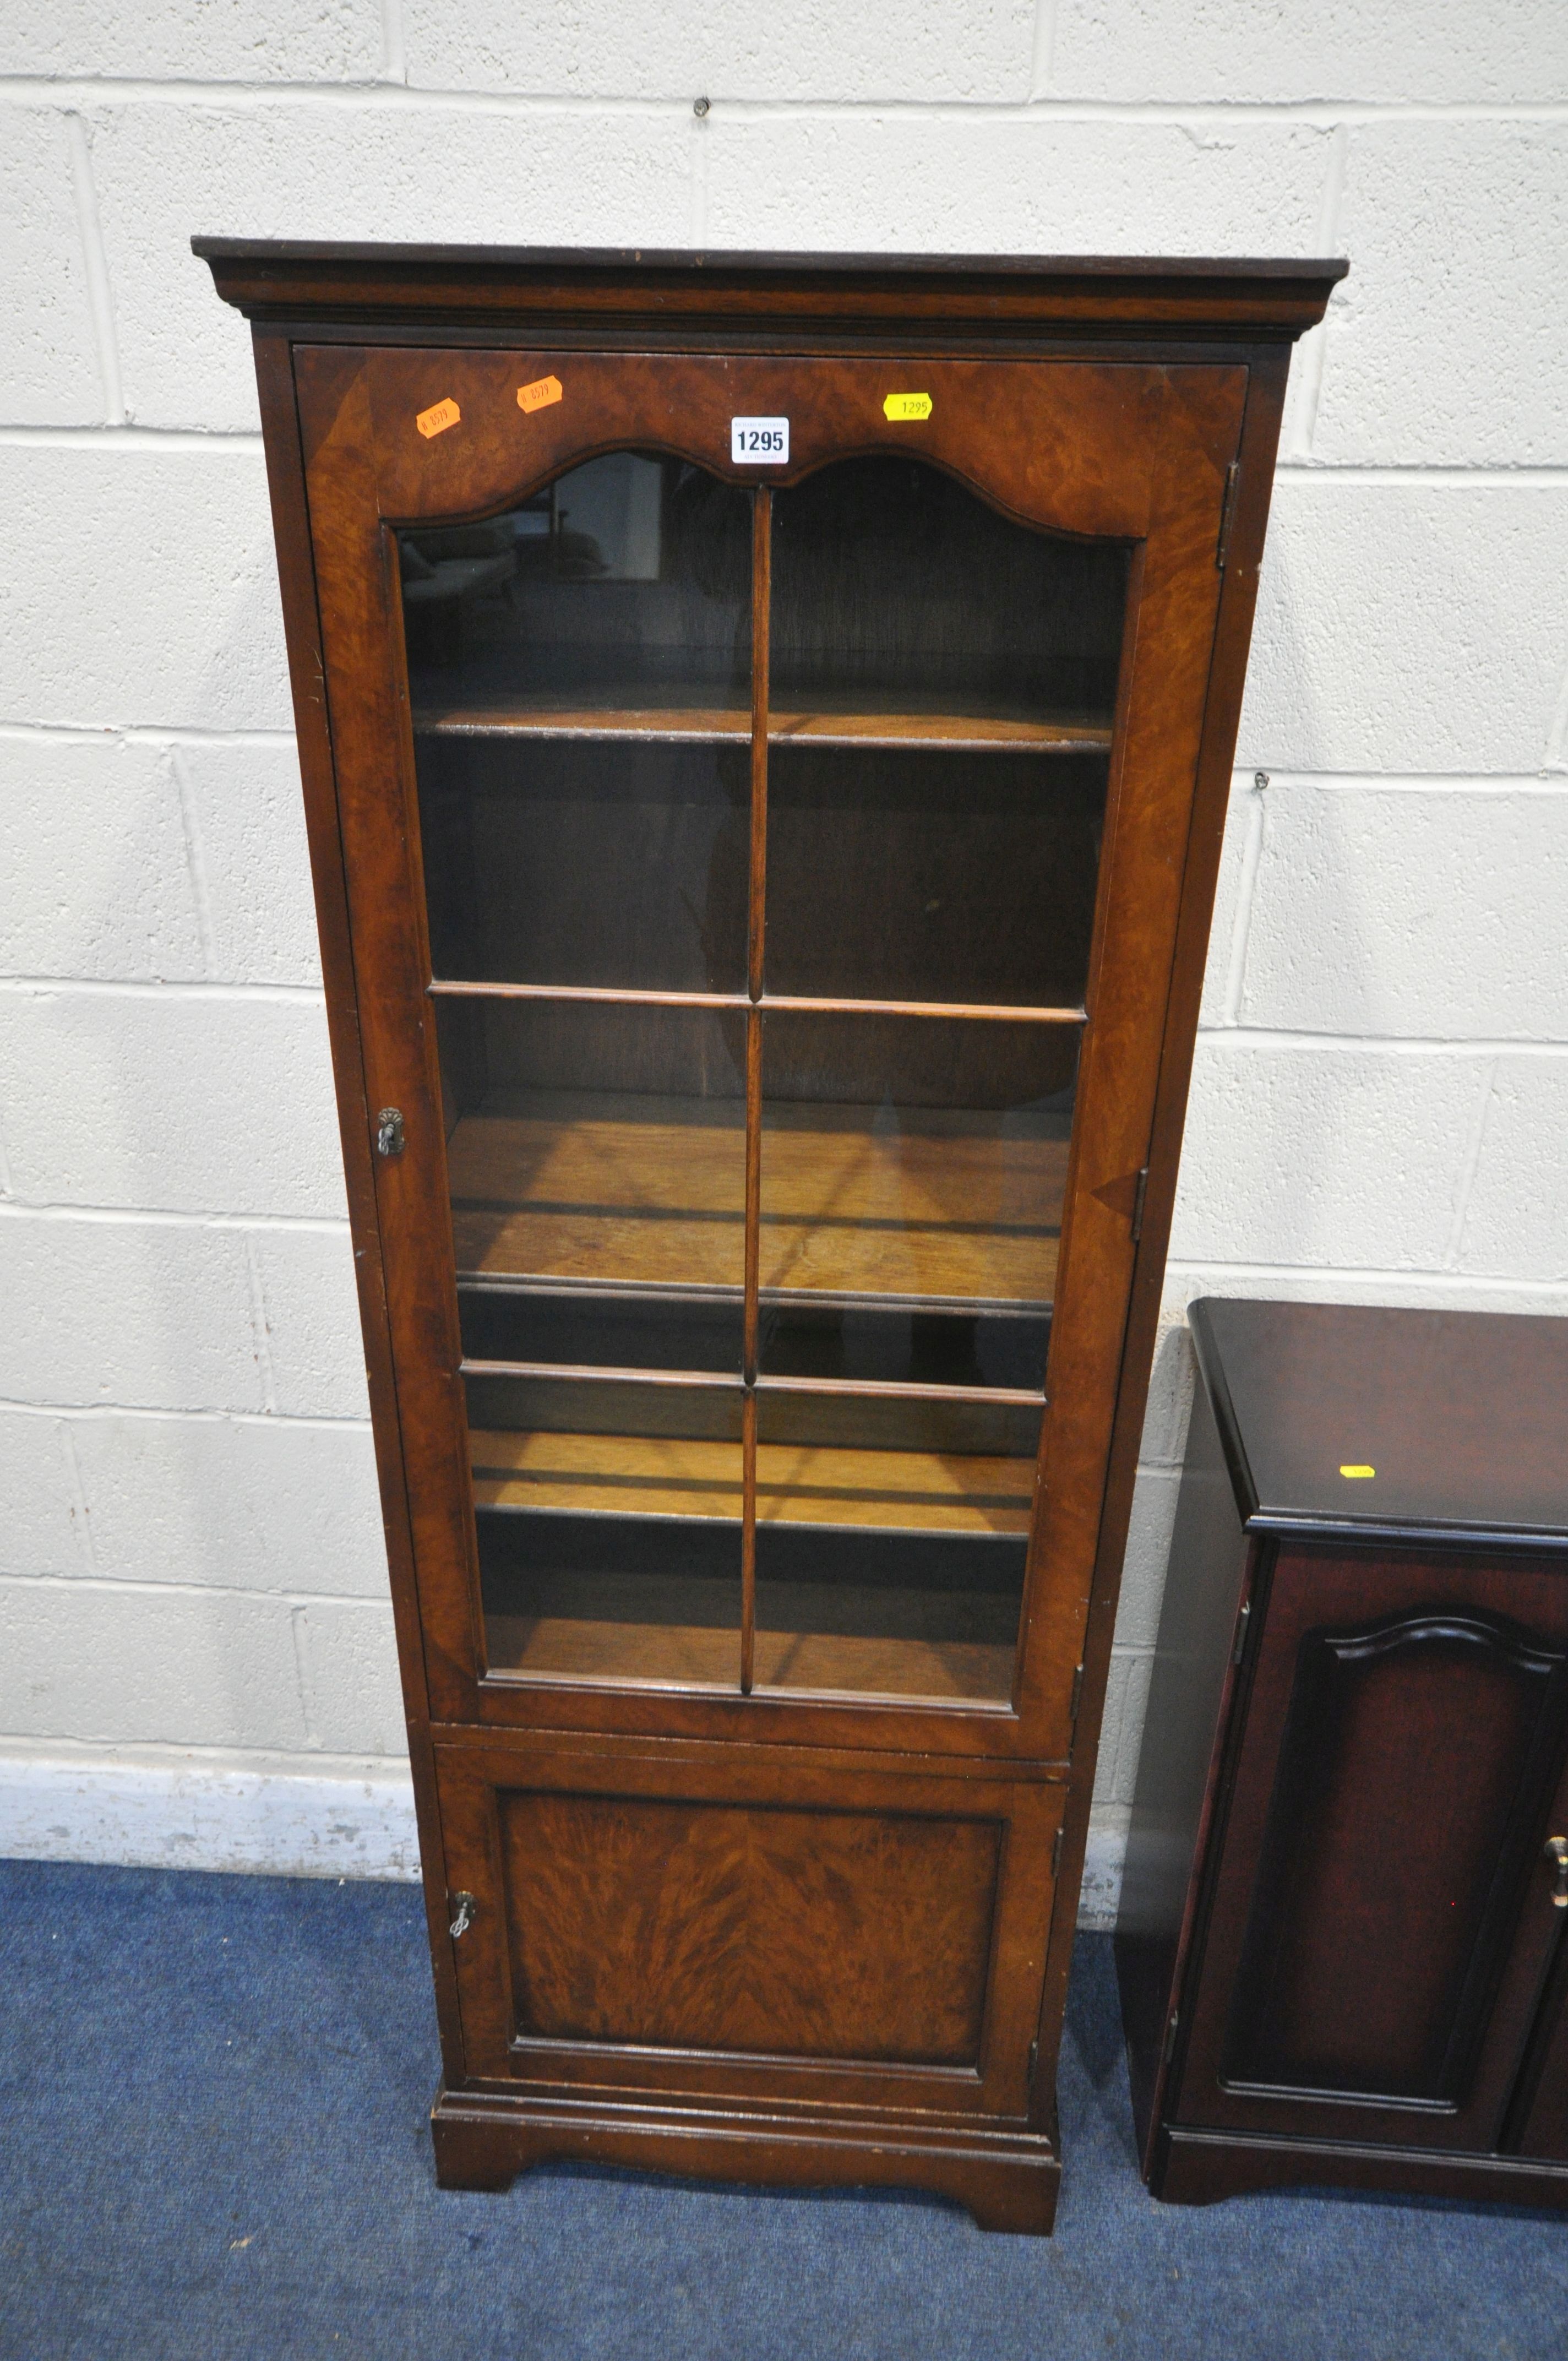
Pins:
x: 1382, y: 1922
x: 790, y: 844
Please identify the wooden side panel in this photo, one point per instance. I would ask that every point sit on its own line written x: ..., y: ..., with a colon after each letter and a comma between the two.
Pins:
x: 1166, y: 662
x: 290, y: 524
x: 1375, y: 1948
x: 727, y: 1927
x: 1177, y: 1769
x: 1252, y: 487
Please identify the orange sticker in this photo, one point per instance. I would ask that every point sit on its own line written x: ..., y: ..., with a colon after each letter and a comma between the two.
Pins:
x: 437, y: 421
x: 539, y: 394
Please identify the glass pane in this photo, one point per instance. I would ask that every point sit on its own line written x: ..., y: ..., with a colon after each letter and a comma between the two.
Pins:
x: 579, y: 861
x: 622, y: 591
x: 891, y: 1543
x: 955, y: 877
x: 897, y: 592
x: 577, y: 667
x: 597, y: 1157
x: 913, y: 1178
x: 592, y: 1326
x: 610, y: 1529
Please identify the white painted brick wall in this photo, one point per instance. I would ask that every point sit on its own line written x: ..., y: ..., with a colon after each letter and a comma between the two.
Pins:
x: 971, y: 49
x: 194, y: 1637
x: 197, y: 40
x: 48, y: 364
x: 190, y: 1101
x: 1023, y: 183
x: 156, y: 605
x: 1213, y: 53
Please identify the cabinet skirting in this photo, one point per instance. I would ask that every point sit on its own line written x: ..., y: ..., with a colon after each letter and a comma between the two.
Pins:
x: 1006, y: 2180
x: 1199, y: 2168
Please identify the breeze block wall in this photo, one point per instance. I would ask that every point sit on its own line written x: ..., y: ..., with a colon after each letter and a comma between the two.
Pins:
x: 196, y: 1657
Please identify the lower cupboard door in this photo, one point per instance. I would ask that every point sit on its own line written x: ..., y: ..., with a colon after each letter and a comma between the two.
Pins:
x: 1381, y: 1926
x: 740, y: 1928
x: 1538, y: 2116
x: 1542, y: 2108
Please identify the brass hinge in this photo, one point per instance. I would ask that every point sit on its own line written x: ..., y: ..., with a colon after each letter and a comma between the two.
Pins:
x: 1138, y: 1195
x: 1034, y: 2058
x: 1056, y: 1855
x: 1228, y: 513
x: 1077, y: 1696
x: 1170, y: 2035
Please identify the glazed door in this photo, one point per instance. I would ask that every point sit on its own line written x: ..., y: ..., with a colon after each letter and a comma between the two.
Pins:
x: 1382, y: 1921
x: 764, y: 788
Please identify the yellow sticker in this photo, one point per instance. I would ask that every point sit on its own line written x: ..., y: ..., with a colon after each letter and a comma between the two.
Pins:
x: 907, y: 405
x: 539, y: 394
x: 437, y: 421
x: 1358, y: 1471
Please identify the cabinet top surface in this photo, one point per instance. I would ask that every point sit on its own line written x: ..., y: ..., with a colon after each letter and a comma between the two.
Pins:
x: 1460, y: 1418
x: 307, y: 279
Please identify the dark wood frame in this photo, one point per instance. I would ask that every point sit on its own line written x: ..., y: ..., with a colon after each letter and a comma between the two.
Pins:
x: 1167, y: 403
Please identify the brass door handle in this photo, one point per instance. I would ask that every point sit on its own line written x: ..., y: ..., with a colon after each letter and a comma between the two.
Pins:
x: 1557, y: 1852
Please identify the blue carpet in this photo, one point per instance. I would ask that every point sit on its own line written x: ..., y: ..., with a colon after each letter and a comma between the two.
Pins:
x: 214, y: 2148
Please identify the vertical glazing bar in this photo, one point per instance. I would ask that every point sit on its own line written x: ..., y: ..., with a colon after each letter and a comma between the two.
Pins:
x: 748, y: 1538
x: 749, y: 1402
x: 762, y: 580
x: 761, y: 575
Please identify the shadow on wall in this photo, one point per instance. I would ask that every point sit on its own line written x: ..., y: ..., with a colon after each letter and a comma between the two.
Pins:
x: 1278, y: 1134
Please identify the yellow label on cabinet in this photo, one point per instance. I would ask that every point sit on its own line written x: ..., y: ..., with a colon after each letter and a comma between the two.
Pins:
x: 1358, y: 1471
x: 437, y: 420
x: 539, y: 394
x: 907, y: 405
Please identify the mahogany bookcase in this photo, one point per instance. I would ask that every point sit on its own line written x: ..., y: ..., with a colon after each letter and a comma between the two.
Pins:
x: 765, y: 726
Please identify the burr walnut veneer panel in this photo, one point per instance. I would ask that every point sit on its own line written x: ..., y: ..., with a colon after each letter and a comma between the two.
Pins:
x: 621, y: 1908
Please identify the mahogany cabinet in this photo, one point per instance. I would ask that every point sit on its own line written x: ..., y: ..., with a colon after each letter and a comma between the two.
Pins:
x: 765, y: 729
x: 1344, y: 1933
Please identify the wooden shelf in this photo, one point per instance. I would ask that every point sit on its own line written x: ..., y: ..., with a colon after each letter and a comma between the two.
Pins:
x: 800, y: 1484
x: 971, y: 732
x: 610, y: 1187
x: 867, y: 1638
x: 620, y: 1189
x: 536, y: 718
x: 886, y: 1665
x: 774, y: 1003
x: 705, y: 725
x: 603, y: 1631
